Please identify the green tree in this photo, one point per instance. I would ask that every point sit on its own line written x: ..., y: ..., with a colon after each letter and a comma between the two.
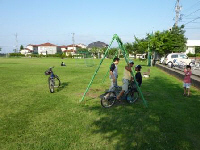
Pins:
x: 197, y: 49
x: 21, y: 47
x: 177, y: 39
x: 162, y: 42
x: 129, y: 47
x: 0, y: 48
x: 140, y: 45
x: 82, y: 50
x: 112, y: 52
x: 95, y: 51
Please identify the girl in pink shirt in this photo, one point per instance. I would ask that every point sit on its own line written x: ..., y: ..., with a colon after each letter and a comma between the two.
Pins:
x: 187, y: 80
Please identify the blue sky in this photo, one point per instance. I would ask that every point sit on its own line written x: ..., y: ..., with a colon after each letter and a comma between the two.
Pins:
x: 40, y: 21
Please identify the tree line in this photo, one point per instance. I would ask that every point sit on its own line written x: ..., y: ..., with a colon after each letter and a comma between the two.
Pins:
x: 167, y: 41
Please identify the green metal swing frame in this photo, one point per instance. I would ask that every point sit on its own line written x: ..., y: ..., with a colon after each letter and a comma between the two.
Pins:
x: 126, y: 56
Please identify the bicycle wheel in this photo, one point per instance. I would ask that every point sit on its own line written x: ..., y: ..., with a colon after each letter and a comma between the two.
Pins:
x: 108, y: 99
x: 56, y: 81
x: 51, y: 85
x: 132, y: 97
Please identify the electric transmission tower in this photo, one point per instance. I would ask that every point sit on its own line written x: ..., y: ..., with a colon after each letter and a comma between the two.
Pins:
x: 73, y: 41
x: 177, y: 10
x: 16, y: 46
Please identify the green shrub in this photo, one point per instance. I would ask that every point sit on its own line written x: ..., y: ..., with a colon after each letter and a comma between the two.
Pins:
x: 190, y: 55
x: 193, y: 55
x: 63, y: 55
x: 33, y: 55
x: 77, y: 56
x: 16, y: 55
x: 54, y: 55
x: 198, y: 55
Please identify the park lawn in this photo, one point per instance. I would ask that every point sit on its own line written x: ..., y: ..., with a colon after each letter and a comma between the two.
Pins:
x: 33, y: 118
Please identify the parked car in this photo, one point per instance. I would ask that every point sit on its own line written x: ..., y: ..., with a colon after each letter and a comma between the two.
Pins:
x: 170, y: 59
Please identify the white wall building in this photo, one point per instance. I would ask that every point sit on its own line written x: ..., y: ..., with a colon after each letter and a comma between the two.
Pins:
x: 70, y: 49
x: 81, y: 45
x: 34, y: 48
x: 26, y: 51
x: 63, y: 48
x: 191, y: 46
x: 48, y: 48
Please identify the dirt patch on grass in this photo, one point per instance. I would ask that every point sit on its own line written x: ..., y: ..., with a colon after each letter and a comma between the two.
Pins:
x: 93, y: 93
x: 95, y: 90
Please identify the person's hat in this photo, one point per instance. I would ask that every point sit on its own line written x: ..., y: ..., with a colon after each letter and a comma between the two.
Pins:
x: 131, y: 62
x: 138, y: 66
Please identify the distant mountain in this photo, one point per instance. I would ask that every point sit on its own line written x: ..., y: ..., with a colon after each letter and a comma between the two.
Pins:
x: 97, y: 44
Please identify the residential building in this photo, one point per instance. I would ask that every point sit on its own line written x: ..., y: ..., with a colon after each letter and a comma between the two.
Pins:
x: 70, y: 49
x: 82, y: 45
x: 48, y: 48
x: 26, y: 51
x: 191, y: 44
x: 63, y: 48
x: 32, y: 47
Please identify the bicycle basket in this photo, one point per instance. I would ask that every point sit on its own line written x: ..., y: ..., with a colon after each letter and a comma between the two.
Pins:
x: 48, y: 72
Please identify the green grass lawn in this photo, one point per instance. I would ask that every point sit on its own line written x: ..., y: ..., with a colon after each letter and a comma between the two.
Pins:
x: 33, y: 118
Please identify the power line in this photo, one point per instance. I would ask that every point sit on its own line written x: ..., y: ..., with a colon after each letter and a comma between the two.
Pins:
x: 192, y: 13
x: 191, y: 6
x: 192, y: 20
x: 192, y: 28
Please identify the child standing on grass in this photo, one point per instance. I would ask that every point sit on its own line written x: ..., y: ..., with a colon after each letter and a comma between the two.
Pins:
x: 114, y: 74
x: 138, y: 75
x: 187, y: 80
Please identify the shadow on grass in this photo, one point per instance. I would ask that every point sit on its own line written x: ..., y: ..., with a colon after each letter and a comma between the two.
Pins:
x: 171, y: 121
x: 62, y: 86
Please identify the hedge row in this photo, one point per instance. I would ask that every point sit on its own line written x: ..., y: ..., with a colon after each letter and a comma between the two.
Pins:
x: 193, y: 55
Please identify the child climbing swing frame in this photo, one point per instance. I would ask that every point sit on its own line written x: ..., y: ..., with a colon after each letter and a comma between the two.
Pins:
x: 125, y: 54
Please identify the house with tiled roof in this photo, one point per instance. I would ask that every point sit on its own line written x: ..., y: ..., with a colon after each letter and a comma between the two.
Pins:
x: 26, y: 51
x: 32, y: 47
x: 70, y: 49
x: 48, y: 48
x: 82, y: 45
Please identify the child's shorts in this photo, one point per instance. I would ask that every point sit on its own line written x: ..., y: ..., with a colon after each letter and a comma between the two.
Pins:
x: 125, y: 84
x: 186, y: 85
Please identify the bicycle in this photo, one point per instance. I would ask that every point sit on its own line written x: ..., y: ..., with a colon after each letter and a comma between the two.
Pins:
x: 53, y: 79
x: 195, y: 65
x: 180, y: 64
x: 110, y: 97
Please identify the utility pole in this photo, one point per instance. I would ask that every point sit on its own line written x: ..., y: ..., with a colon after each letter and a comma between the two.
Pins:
x: 73, y: 41
x: 177, y: 10
x: 16, y: 46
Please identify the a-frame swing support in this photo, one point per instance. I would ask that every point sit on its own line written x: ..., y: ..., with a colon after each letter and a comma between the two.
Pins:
x: 125, y: 54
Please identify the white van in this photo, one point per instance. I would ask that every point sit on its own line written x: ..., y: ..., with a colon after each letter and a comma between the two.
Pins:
x: 170, y: 59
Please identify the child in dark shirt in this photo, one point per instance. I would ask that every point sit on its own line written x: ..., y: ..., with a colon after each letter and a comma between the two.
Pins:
x: 114, y: 74
x: 138, y: 75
